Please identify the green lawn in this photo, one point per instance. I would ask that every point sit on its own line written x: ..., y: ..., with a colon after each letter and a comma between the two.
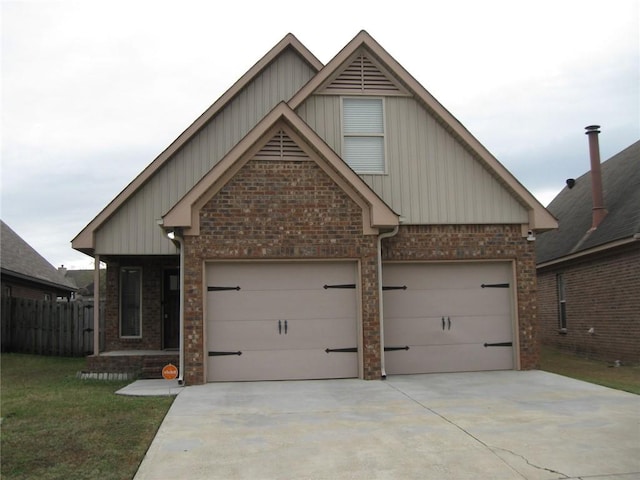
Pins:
x: 625, y: 378
x: 55, y: 426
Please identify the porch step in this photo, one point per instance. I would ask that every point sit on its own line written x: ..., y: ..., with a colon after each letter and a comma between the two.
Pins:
x: 152, y: 365
x: 135, y: 365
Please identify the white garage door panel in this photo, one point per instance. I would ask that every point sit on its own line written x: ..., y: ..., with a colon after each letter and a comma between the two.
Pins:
x: 269, y: 335
x: 448, y: 358
x: 249, y: 304
x: 290, y: 276
x: 283, y: 365
x: 446, y: 274
x: 445, y: 317
x: 429, y: 331
x: 480, y: 329
x: 424, y: 331
x: 282, y: 320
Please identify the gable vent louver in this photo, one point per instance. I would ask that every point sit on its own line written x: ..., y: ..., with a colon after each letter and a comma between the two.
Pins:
x: 362, y: 75
x: 281, y: 147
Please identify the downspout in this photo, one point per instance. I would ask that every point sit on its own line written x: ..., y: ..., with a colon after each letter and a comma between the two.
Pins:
x: 381, y: 303
x: 180, y: 241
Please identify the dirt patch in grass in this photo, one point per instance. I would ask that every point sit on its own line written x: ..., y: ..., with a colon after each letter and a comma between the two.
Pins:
x: 625, y: 377
x: 57, y: 426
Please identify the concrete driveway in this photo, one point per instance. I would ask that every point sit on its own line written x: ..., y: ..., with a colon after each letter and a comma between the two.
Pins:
x: 490, y: 425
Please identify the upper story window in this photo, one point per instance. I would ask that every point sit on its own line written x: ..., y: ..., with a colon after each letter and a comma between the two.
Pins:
x: 363, y: 143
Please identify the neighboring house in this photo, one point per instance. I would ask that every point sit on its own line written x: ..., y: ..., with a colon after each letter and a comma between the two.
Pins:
x: 26, y: 274
x: 85, y: 282
x: 325, y: 221
x: 589, y: 269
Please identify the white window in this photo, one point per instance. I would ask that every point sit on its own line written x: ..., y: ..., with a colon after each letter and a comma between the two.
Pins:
x: 562, y: 303
x: 131, y: 302
x: 363, y: 146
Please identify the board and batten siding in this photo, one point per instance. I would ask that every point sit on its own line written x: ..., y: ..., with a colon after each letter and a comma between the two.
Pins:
x: 133, y: 229
x: 431, y: 178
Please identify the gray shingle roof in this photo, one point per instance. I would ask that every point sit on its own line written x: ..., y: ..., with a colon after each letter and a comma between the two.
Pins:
x: 572, y: 208
x: 18, y: 258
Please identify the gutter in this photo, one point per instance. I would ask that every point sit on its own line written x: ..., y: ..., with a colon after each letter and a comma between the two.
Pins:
x: 381, y: 304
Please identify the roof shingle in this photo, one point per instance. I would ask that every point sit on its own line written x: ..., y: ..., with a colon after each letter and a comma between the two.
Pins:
x: 19, y: 258
x: 573, y: 209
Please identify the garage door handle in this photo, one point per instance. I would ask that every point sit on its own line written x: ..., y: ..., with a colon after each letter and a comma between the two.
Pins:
x: 442, y: 323
x: 449, y: 323
x: 286, y: 327
x: 279, y: 327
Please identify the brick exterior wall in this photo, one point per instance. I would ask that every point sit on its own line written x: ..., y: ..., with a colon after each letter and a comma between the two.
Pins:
x: 279, y: 210
x: 292, y: 210
x: 478, y: 242
x: 152, y: 314
x: 601, y: 292
x: 30, y: 292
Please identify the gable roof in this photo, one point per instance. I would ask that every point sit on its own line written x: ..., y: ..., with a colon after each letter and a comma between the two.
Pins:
x: 20, y: 260
x: 376, y: 213
x: 573, y: 208
x: 387, y: 75
x: 539, y: 218
x: 84, y: 240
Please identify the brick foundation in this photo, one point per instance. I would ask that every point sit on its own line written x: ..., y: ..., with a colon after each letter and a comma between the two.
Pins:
x: 135, y: 366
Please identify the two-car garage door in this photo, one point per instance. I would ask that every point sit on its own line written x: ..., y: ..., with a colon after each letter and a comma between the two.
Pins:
x: 277, y: 321
x: 298, y: 320
x: 448, y: 317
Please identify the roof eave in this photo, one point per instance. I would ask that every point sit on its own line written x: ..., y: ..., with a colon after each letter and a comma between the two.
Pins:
x: 85, y: 239
x: 590, y: 251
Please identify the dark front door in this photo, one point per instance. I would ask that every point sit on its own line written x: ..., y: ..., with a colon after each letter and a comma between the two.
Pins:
x: 171, y: 308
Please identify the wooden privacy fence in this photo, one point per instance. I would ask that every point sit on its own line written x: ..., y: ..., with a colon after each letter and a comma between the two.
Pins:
x: 48, y: 327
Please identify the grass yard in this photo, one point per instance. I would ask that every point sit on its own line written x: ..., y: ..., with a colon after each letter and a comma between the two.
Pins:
x: 625, y: 378
x: 55, y: 426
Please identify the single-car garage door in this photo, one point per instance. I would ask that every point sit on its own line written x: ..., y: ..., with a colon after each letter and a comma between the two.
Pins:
x: 281, y: 321
x: 448, y: 317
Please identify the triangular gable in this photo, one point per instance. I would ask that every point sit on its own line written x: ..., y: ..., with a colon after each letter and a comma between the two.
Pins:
x: 281, y: 135
x: 539, y: 217
x: 84, y: 241
x: 362, y: 74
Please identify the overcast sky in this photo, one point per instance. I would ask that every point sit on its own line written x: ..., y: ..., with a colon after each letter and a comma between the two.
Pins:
x: 93, y: 91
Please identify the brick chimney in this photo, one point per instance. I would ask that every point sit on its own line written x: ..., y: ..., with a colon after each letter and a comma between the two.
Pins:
x: 598, y: 210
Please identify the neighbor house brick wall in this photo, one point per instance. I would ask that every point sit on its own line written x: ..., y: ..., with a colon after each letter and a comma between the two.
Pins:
x: 478, y: 242
x: 152, y: 314
x: 19, y: 290
x: 601, y: 292
x: 279, y: 210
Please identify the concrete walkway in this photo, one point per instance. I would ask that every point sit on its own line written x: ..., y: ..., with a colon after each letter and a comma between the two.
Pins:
x: 494, y: 425
x: 151, y: 388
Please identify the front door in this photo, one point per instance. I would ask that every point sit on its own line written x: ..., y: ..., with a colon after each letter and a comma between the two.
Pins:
x: 171, y: 309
